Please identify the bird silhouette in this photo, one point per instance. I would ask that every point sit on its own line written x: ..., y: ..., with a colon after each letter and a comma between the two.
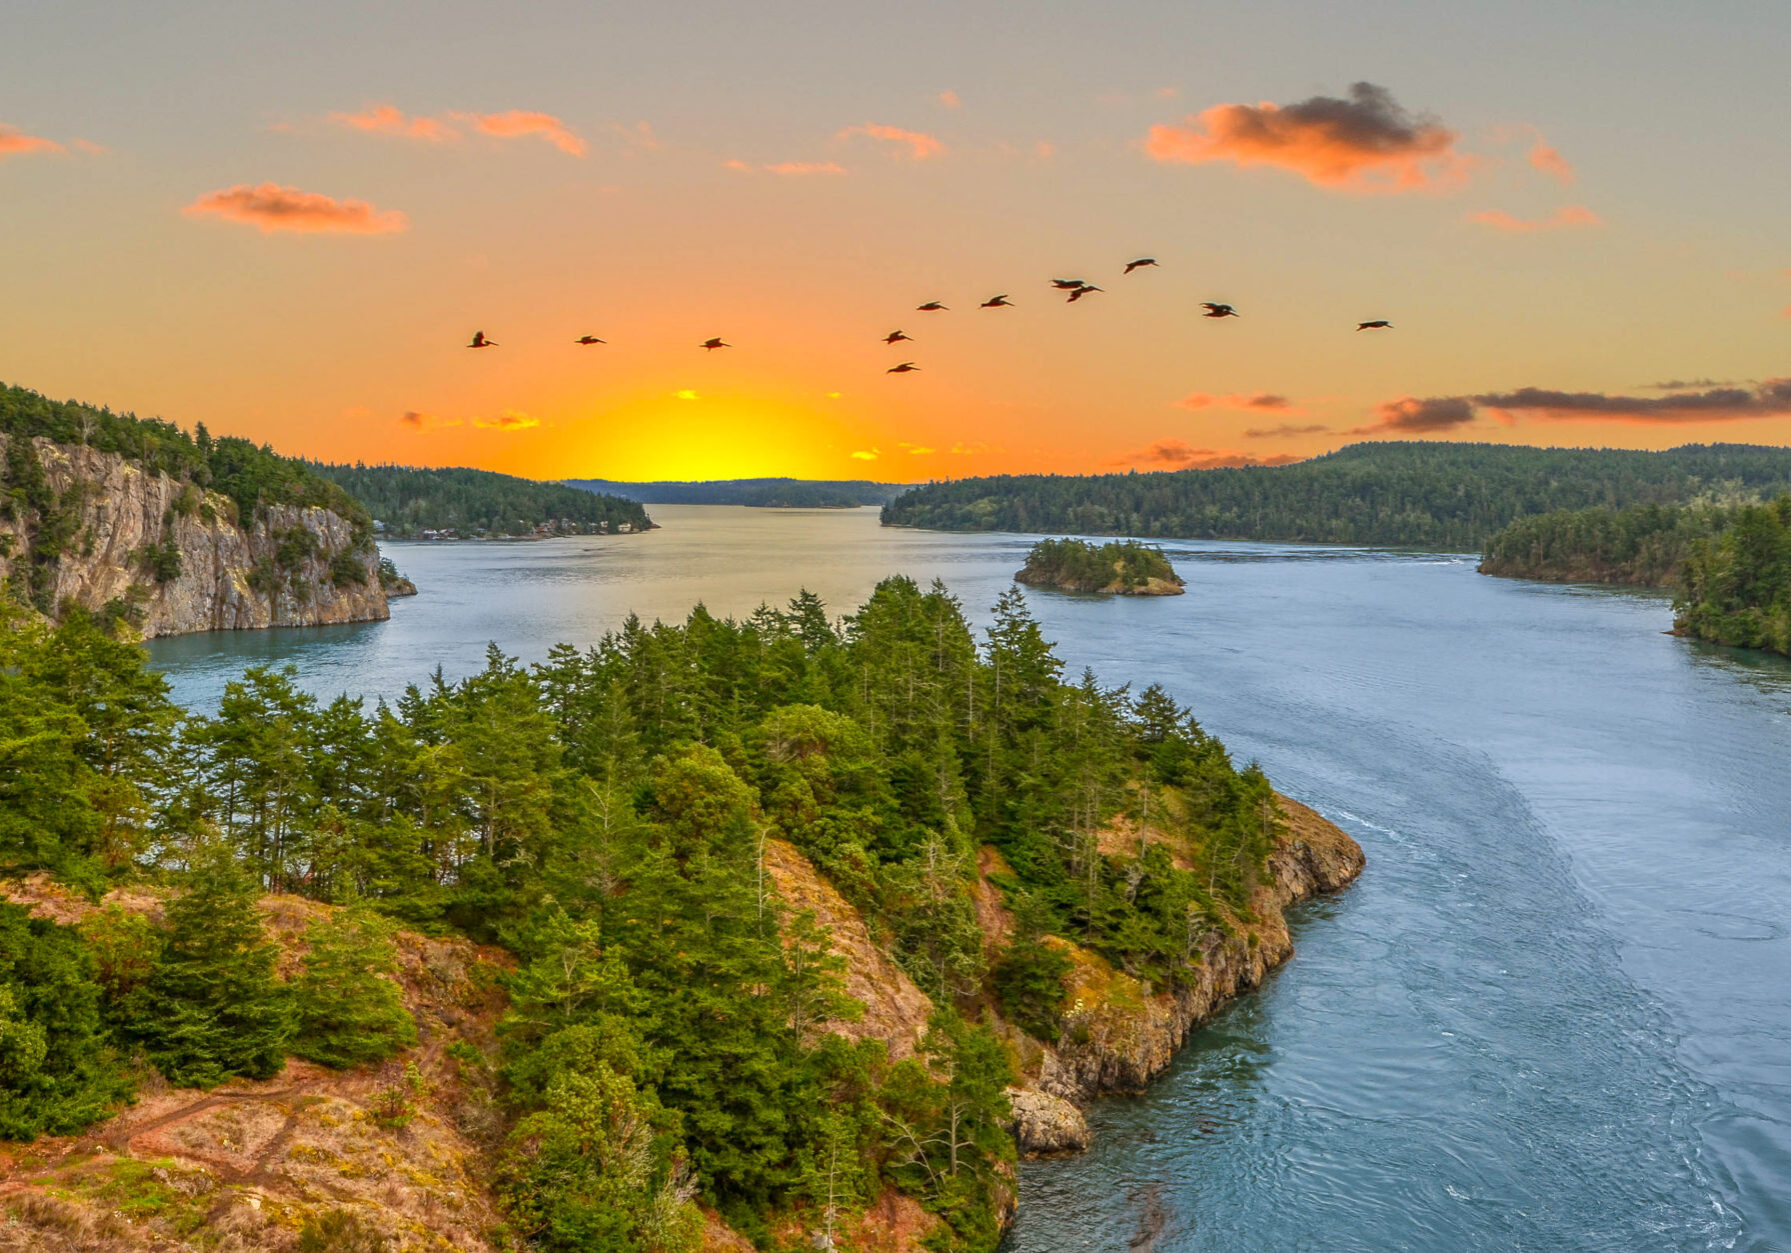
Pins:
x: 1217, y: 311
x: 896, y: 337
x: 932, y: 306
x: 907, y: 367
x: 1068, y: 284
x: 1141, y: 262
x: 713, y: 344
x: 998, y: 302
x: 1379, y: 324
x: 1083, y: 291
x: 589, y: 339
x: 479, y: 341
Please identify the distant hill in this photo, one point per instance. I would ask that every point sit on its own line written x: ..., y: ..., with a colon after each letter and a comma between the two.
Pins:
x: 1416, y: 494
x: 761, y: 493
x: 410, y: 500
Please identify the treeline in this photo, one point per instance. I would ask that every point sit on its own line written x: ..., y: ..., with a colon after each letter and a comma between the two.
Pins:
x: 1735, y: 588
x: 1419, y: 494
x: 760, y: 493
x: 1643, y: 545
x: 604, y: 815
x: 1080, y: 566
x: 410, y: 500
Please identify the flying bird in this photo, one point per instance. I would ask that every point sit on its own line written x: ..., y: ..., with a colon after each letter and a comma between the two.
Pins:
x: 1217, y: 311
x: 589, y: 339
x: 1068, y: 284
x: 932, y: 306
x: 907, y: 367
x: 479, y: 341
x: 999, y: 302
x: 1140, y: 263
x: 1083, y: 291
x: 713, y: 344
x: 1380, y: 324
x: 896, y: 337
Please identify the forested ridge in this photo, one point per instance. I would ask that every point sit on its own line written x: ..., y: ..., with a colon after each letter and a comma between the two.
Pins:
x: 604, y: 817
x: 412, y: 499
x: 1400, y: 493
x: 761, y: 493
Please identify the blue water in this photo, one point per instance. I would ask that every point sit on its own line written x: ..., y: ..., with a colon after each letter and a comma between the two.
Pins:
x: 1554, y: 1014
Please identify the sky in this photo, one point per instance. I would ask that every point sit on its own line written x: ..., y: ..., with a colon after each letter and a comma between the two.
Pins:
x: 287, y: 222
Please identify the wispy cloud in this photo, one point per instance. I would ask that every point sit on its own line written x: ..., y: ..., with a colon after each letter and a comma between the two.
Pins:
x: 799, y: 168
x: 1368, y: 142
x: 1770, y: 399
x: 508, y: 420
x: 949, y: 99
x: 1286, y: 429
x: 975, y: 448
x: 919, y: 144
x: 1549, y: 160
x: 16, y: 143
x: 1179, y: 453
x: 1262, y: 402
x: 386, y: 119
x: 426, y: 422
x: 271, y: 207
x: 866, y: 454
x: 1565, y: 216
x: 916, y: 450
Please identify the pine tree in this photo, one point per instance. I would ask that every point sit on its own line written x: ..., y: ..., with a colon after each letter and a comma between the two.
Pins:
x: 348, y: 1015
x: 213, y: 1008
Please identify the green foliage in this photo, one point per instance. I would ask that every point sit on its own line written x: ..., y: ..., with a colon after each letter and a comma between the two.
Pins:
x: 1642, y: 545
x: 57, y: 1072
x: 1029, y: 979
x: 410, y: 500
x: 347, y: 1013
x: 212, y: 1008
x: 1084, y: 567
x: 1417, y: 493
x: 1737, y: 586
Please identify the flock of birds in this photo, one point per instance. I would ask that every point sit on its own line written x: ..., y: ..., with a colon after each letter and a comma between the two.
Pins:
x: 1076, y: 287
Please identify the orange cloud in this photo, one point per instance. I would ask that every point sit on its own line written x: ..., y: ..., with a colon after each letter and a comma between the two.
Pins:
x: 916, y: 450
x: 949, y: 99
x: 426, y: 422
x: 385, y: 119
x: 1566, y: 215
x: 866, y: 454
x: 1267, y: 402
x: 920, y: 145
x: 1043, y: 150
x: 1175, y: 452
x: 974, y: 449
x: 1551, y: 163
x: 508, y: 420
x: 16, y: 143
x: 519, y: 122
x: 271, y: 207
x: 1365, y: 143
x: 807, y: 167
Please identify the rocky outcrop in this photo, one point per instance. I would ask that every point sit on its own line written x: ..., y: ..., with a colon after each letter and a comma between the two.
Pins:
x: 292, y: 567
x: 1045, y: 1124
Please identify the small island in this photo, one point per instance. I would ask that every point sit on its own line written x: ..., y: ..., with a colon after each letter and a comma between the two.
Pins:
x: 1120, y: 568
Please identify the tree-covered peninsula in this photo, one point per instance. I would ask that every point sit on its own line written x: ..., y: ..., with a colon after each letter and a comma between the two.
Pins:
x: 1120, y: 568
x: 412, y: 502
x: 769, y: 925
x: 1400, y: 493
x: 1735, y: 588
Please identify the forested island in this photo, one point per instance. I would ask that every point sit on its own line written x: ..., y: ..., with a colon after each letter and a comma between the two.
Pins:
x: 147, y: 526
x: 772, y: 493
x: 782, y: 929
x: 457, y: 503
x: 1121, y: 568
x: 1398, y: 493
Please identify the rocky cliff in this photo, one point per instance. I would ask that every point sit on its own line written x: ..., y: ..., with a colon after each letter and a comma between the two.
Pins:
x: 170, y: 558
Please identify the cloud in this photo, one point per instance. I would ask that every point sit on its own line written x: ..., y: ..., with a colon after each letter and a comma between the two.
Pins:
x: 1175, y: 452
x: 426, y: 422
x: 1368, y: 142
x: 16, y: 143
x: 508, y: 420
x: 920, y: 145
x: 1043, y: 150
x: 271, y: 207
x: 916, y: 450
x: 89, y: 148
x: 1680, y: 385
x: 515, y: 123
x: 685, y: 393
x: 799, y: 168
x: 1551, y: 163
x: 385, y: 119
x: 1566, y: 215
x: 1285, y: 429
x: 1168, y: 93
x: 1415, y: 416
x: 973, y: 449
x: 1264, y: 402
x: 867, y: 454
x: 737, y: 165
x: 949, y: 99
x: 1771, y: 399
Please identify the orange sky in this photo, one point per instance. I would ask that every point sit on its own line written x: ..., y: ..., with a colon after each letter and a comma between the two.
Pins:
x: 294, y: 238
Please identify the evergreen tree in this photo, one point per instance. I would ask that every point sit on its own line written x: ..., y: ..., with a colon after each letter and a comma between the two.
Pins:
x: 347, y: 1013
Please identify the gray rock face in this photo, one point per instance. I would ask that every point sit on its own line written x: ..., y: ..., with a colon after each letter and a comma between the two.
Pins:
x: 122, y: 512
x: 1045, y: 1124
